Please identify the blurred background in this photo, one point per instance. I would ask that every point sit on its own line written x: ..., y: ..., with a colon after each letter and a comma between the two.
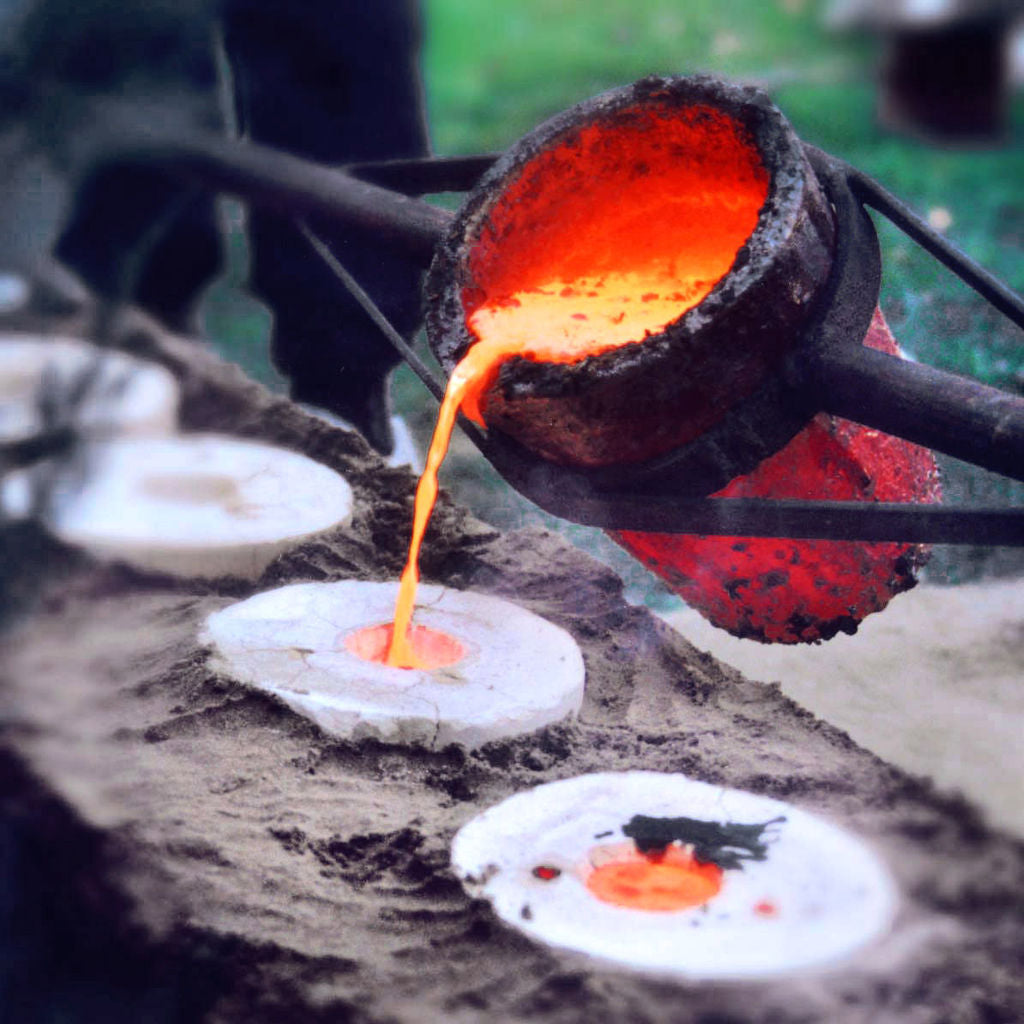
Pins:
x: 494, y: 71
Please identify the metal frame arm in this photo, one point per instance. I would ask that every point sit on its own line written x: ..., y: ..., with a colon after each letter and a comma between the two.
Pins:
x: 952, y: 414
x: 933, y: 408
x: 290, y: 185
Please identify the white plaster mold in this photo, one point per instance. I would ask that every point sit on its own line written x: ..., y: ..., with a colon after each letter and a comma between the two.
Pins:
x: 197, y: 505
x: 519, y: 672
x: 830, y: 895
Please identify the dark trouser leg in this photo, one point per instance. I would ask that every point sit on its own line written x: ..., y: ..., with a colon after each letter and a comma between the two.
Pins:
x: 335, y: 81
x: 135, y: 234
x: 140, y: 237
x: 950, y: 82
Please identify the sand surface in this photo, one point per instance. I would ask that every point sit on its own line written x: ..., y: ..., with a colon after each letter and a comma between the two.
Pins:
x: 934, y: 683
x: 186, y: 849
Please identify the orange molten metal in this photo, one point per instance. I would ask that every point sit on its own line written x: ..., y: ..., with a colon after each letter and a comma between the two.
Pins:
x: 430, y: 647
x: 671, y: 196
x: 666, y: 881
x: 672, y: 200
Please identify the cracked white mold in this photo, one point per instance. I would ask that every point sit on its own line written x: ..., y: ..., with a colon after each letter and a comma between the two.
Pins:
x: 121, y: 396
x: 197, y: 505
x: 818, y: 898
x: 518, y: 673
x: 125, y: 395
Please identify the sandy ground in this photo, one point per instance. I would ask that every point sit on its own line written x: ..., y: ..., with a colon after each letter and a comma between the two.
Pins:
x: 182, y: 848
x: 934, y: 683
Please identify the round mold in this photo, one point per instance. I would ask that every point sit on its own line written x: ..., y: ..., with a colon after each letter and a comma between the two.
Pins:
x: 517, y: 674
x: 196, y: 505
x: 818, y: 896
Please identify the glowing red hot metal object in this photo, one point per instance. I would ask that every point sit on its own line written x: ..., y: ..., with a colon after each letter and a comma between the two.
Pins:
x: 575, y: 203
x: 789, y: 591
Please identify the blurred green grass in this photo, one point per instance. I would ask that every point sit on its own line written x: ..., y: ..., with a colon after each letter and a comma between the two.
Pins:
x: 494, y: 70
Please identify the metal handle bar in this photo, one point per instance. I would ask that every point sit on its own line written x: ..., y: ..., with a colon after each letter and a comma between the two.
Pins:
x: 287, y: 184
x: 934, y: 408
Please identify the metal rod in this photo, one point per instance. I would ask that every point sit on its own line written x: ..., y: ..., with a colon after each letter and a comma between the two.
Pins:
x: 290, y: 185
x: 420, y: 175
x: 987, y: 285
x: 25, y: 452
x: 434, y: 384
x: 811, y: 520
x: 931, y: 407
x: 571, y: 495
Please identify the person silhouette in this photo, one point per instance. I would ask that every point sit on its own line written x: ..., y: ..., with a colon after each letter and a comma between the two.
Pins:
x: 335, y: 81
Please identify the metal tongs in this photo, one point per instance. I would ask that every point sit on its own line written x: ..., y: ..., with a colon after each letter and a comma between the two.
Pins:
x: 830, y: 370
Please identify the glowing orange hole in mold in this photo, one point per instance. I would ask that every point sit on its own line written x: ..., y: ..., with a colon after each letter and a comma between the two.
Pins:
x: 673, y: 880
x: 428, y: 648
x: 546, y: 873
x: 563, y: 272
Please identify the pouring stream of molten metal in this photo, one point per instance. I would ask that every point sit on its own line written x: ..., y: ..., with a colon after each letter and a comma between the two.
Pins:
x: 561, y: 323
x: 605, y: 272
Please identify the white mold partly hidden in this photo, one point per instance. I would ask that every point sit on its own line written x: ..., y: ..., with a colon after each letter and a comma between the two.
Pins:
x: 119, y: 394
x: 98, y: 392
x: 196, y: 505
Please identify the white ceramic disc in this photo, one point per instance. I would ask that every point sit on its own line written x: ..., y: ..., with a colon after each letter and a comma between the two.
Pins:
x: 519, y: 672
x: 819, y: 894
x: 198, y: 505
x: 126, y: 395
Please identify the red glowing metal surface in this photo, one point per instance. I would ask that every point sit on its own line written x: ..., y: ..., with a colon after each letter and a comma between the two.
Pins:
x: 793, y: 591
x: 431, y: 648
x: 656, y: 191
x: 670, y: 880
x: 546, y: 873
